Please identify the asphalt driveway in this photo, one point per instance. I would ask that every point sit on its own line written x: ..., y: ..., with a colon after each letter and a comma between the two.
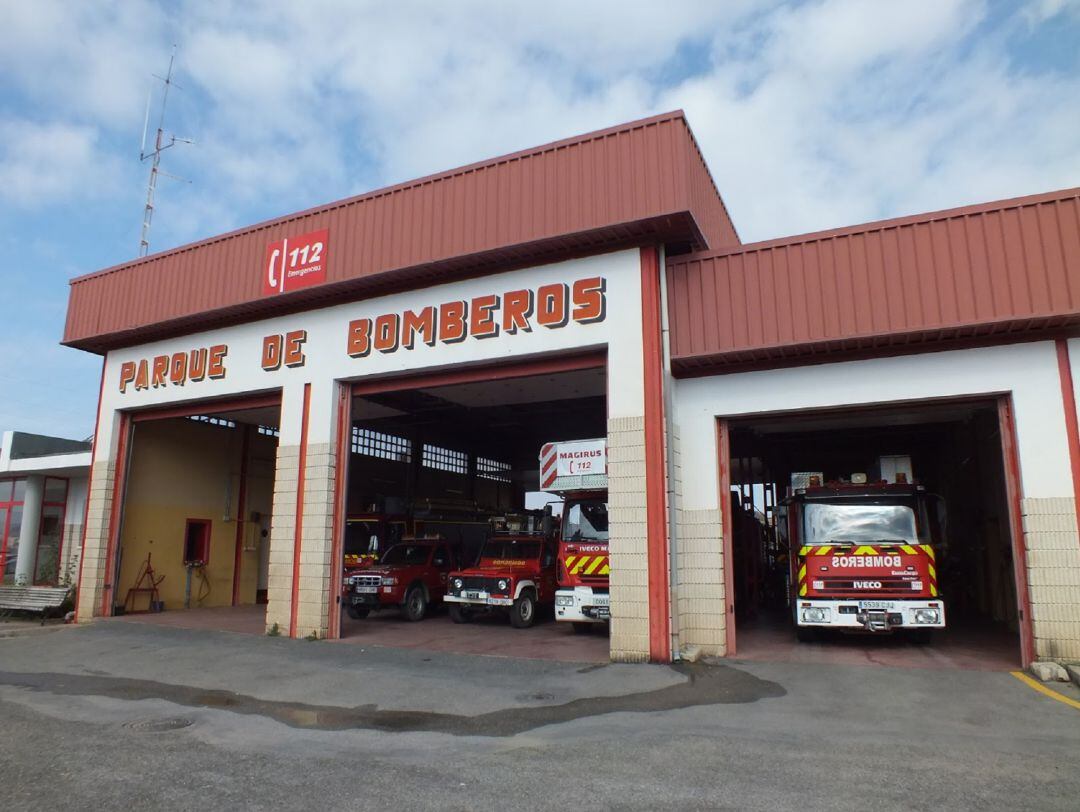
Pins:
x: 126, y: 716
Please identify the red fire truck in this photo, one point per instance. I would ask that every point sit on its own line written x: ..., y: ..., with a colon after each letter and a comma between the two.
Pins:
x: 577, y: 472
x: 864, y: 557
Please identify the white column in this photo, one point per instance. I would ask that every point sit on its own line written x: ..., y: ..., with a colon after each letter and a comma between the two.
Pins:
x: 28, y: 534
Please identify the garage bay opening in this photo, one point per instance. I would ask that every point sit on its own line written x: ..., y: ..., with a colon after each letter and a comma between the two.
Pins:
x: 452, y: 539
x: 194, y: 547
x: 874, y: 534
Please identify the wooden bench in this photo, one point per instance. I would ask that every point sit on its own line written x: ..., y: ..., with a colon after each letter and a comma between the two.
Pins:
x: 41, y: 599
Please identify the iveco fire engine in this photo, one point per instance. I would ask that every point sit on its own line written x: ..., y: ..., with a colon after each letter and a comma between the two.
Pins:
x: 863, y: 556
x: 577, y: 472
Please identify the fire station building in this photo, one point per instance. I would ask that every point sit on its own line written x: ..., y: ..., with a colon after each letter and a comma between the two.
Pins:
x: 274, y: 397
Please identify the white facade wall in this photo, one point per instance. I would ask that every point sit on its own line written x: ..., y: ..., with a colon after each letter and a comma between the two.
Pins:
x: 1028, y: 372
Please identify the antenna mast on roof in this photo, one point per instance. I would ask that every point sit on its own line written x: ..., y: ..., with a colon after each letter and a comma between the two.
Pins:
x: 160, y: 146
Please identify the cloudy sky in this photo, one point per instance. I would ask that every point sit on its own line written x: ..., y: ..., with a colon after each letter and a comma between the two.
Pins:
x: 811, y: 115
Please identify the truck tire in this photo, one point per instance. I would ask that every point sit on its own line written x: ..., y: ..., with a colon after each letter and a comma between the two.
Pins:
x: 415, y: 606
x: 459, y: 614
x: 357, y: 612
x: 523, y: 612
x: 805, y: 634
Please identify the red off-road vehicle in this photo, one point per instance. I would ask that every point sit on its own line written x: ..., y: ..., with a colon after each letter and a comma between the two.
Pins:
x: 515, y: 572
x: 410, y: 576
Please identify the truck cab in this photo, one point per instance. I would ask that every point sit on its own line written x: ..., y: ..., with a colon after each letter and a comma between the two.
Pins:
x: 515, y: 573
x: 577, y: 471
x: 863, y: 559
x: 410, y: 576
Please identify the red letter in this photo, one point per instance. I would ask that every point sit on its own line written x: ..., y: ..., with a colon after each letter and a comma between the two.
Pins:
x: 294, y: 348
x: 161, y: 369
x: 590, y: 303
x: 452, y: 325
x: 216, y: 365
x: 551, y: 307
x: 359, y: 342
x: 127, y: 375
x: 481, y: 318
x: 271, y: 355
x: 386, y: 332
x: 142, y: 378
x: 422, y: 323
x: 178, y: 368
x: 517, y: 310
x: 197, y: 364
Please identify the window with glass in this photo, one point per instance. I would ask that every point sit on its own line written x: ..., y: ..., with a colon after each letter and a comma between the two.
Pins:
x: 12, y: 492
x: 49, y: 544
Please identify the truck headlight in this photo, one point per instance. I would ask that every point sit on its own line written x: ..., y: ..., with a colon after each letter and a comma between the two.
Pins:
x: 927, y: 616
x: 458, y: 583
x: 564, y: 600
x: 815, y: 614
x: 503, y: 585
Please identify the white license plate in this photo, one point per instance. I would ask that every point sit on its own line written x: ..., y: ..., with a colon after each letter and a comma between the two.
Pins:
x: 875, y: 604
x: 473, y: 595
x: 367, y: 590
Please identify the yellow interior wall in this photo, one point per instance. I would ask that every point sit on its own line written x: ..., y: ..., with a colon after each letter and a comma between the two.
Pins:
x: 182, y: 469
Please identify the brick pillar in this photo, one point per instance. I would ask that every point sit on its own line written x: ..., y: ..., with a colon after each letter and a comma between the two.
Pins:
x: 282, y: 536
x: 627, y: 523
x: 317, y: 542
x: 92, y: 567
x: 1053, y: 571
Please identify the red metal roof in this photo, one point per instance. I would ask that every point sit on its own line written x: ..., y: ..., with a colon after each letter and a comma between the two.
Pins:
x: 644, y: 181
x: 976, y: 272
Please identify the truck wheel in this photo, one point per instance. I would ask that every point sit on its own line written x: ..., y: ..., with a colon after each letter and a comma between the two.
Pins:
x: 459, y: 614
x: 805, y: 634
x: 415, y: 606
x: 357, y: 612
x: 581, y: 628
x: 523, y: 612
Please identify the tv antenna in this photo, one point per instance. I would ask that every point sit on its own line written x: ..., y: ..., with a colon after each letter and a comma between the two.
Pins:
x: 161, y: 143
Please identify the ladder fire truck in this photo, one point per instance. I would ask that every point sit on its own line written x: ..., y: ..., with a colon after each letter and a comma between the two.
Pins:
x: 576, y: 471
x: 863, y: 556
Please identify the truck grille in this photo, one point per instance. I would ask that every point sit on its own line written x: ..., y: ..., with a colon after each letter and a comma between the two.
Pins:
x: 366, y: 580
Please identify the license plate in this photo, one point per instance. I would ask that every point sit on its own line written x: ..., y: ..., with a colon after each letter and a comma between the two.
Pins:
x: 475, y: 596
x: 875, y: 604
x: 367, y: 590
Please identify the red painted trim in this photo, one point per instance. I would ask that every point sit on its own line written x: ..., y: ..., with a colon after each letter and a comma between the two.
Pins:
x: 209, y: 407
x: 1072, y: 431
x: 723, y: 453
x: 1014, y: 493
x: 241, y: 507
x: 115, y: 509
x: 89, y: 481
x: 655, y: 473
x: 298, y: 531
x: 487, y: 372
x: 341, y: 473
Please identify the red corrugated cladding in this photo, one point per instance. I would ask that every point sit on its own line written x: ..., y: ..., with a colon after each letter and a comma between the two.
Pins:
x: 640, y: 182
x: 1010, y: 267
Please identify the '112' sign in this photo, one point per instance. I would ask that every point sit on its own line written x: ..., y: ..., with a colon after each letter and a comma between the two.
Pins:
x: 295, y: 262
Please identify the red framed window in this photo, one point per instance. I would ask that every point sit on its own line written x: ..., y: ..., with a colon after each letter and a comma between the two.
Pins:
x: 197, y: 541
x: 50, y: 541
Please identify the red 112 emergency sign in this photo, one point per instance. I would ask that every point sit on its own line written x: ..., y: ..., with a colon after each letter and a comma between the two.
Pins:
x: 295, y: 262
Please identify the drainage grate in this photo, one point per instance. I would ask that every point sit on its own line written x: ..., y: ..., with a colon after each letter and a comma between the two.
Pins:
x: 163, y: 725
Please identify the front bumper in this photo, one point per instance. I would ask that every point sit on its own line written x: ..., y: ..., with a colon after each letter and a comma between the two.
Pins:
x: 582, y: 605
x: 384, y: 595
x: 872, y: 615
x: 486, y: 600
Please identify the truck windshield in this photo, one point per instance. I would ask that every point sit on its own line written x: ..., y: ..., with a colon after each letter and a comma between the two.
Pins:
x: 586, y: 521
x: 858, y: 523
x: 407, y: 554
x: 511, y: 549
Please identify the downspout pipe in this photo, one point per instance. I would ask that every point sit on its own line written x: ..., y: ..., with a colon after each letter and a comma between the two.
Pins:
x: 669, y: 463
